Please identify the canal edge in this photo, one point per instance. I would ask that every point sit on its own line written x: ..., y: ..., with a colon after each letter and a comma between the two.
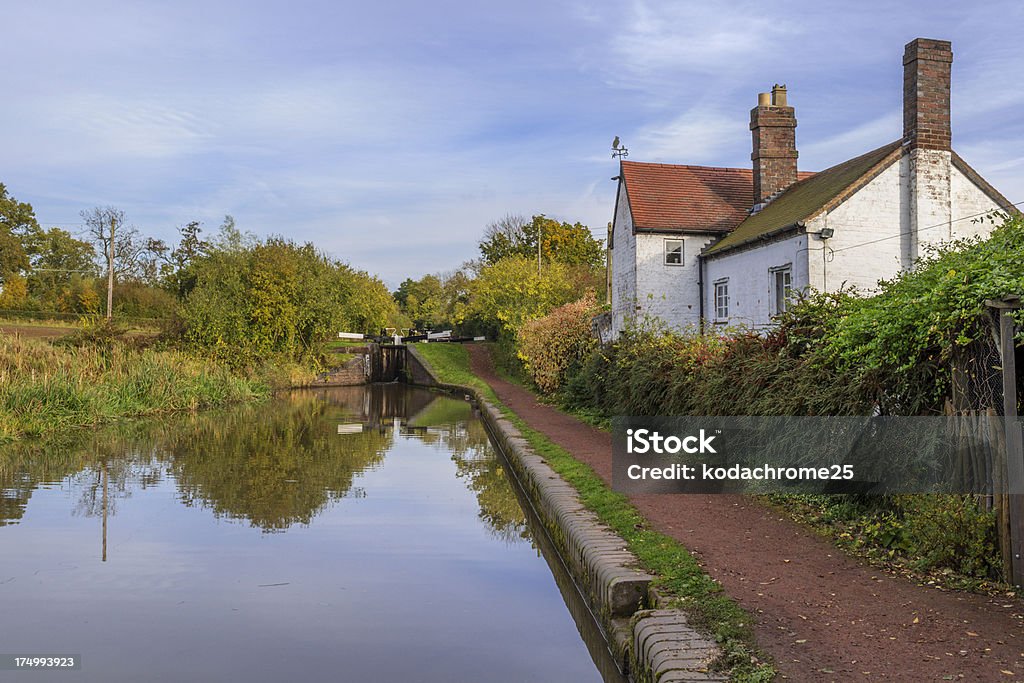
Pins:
x: 651, y: 640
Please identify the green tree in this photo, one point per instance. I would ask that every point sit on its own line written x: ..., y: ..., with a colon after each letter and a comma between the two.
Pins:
x: 508, y: 293
x: 277, y: 297
x: 570, y: 243
x: 59, y: 262
x: 18, y: 229
x: 191, y: 247
x: 423, y: 302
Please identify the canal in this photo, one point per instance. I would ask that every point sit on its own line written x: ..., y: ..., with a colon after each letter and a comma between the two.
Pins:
x: 350, y: 534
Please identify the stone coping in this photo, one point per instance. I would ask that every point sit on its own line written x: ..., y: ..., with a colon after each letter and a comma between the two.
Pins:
x: 651, y: 640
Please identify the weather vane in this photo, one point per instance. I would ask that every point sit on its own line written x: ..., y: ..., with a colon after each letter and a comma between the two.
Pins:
x: 618, y: 150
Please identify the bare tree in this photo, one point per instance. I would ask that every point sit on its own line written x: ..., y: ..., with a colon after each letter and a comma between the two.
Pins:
x: 120, y: 244
x: 505, y: 237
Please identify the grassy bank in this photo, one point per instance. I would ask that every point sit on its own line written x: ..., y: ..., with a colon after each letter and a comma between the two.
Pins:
x: 45, y: 388
x: 680, y: 576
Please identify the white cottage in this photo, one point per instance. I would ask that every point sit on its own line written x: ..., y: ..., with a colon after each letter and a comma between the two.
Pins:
x: 696, y: 245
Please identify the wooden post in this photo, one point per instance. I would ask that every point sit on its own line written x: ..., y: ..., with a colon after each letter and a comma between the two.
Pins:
x: 1014, y: 447
x: 110, y: 271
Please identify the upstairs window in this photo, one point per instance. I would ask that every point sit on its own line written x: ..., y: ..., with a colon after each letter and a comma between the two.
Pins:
x: 721, y: 300
x: 673, y: 252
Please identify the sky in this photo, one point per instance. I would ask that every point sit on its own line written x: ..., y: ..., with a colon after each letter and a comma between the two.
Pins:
x: 390, y: 133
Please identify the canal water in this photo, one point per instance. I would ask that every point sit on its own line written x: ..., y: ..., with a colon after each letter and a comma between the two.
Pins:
x: 350, y: 534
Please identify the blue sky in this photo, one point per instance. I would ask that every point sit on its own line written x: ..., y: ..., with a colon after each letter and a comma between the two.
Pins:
x: 390, y: 133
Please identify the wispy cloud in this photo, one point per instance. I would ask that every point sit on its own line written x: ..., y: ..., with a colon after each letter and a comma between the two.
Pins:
x: 391, y: 133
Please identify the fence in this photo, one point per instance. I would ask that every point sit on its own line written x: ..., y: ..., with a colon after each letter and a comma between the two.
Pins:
x: 987, y: 381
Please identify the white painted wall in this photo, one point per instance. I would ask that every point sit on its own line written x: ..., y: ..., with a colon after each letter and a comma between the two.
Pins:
x: 750, y: 275
x: 871, y: 240
x: 623, y: 264
x: 643, y: 285
x: 669, y: 292
x: 866, y: 245
x: 968, y: 199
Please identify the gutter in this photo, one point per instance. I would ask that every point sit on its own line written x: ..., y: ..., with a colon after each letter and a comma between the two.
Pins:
x: 753, y: 241
x: 700, y: 293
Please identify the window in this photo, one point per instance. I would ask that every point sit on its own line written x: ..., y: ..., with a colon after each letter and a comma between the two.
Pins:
x: 673, y: 252
x: 782, y: 289
x: 721, y: 299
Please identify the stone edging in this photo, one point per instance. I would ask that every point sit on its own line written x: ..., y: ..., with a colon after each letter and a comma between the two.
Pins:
x: 653, y: 644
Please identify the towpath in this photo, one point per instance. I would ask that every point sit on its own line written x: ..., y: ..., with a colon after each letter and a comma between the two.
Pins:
x: 822, y: 615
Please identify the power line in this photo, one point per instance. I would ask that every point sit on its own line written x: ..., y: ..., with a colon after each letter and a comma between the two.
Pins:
x: 930, y: 227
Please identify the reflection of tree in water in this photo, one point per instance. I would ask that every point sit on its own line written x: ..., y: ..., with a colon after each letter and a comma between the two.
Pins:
x: 479, y: 466
x: 123, y: 476
x: 274, y: 468
x: 274, y: 465
x: 81, y: 455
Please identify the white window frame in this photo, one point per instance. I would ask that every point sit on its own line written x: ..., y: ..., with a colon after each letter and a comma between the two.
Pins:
x: 787, y: 296
x: 682, y: 252
x: 720, y: 301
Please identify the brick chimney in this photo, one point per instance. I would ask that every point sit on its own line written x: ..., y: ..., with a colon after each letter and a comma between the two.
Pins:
x: 927, y: 166
x: 926, y: 71
x: 773, y: 128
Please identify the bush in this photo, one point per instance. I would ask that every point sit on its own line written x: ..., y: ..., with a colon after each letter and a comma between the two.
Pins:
x: 552, y: 346
x: 276, y: 298
x: 950, y: 531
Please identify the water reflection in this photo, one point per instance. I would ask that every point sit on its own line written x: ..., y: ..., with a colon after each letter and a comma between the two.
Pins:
x: 350, y: 534
x: 270, y: 468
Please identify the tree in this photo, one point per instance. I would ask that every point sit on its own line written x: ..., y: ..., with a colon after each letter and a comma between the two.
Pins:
x: 59, y: 262
x: 13, y: 259
x: 569, y: 243
x: 510, y: 292
x: 277, y: 297
x: 423, y: 301
x: 129, y: 246
x: 119, y: 244
x: 182, y: 278
x: 506, y: 237
x: 18, y: 227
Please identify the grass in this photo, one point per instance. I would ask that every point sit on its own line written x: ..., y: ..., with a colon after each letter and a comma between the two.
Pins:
x: 344, y: 343
x: 45, y: 388
x: 679, y: 575
x: 38, y: 322
x: 450, y: 363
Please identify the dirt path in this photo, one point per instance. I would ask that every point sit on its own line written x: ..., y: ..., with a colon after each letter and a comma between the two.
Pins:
x: 822, y: 615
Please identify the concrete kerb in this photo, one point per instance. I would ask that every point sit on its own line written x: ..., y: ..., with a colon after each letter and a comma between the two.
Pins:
x: 653, y: 644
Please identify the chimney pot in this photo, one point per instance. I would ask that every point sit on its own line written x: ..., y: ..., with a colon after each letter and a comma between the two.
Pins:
x: 764, y: 99
x: 779, y: 96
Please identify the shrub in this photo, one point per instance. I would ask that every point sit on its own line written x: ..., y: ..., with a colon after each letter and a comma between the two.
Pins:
x: 552, y: 346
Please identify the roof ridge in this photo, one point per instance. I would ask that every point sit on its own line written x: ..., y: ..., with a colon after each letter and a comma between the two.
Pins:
x: 709, y: 168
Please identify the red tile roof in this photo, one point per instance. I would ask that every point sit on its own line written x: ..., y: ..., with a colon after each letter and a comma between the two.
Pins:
x: 698, y: 198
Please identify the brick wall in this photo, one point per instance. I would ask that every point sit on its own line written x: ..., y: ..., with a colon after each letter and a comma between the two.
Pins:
x: 350, y: 373
x: 773, y: 130
x: 926, y: 86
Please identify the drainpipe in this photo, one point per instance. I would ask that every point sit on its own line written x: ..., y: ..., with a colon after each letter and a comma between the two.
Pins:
x: 700, y: 290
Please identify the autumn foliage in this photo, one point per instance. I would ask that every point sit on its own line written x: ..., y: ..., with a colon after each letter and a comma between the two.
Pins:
x: 553, y: 345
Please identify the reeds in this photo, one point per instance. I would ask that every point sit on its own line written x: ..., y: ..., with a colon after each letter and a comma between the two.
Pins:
x: 46, y: 388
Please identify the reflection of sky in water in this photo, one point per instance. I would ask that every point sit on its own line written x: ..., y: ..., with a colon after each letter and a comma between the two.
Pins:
x: 411, y: 581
